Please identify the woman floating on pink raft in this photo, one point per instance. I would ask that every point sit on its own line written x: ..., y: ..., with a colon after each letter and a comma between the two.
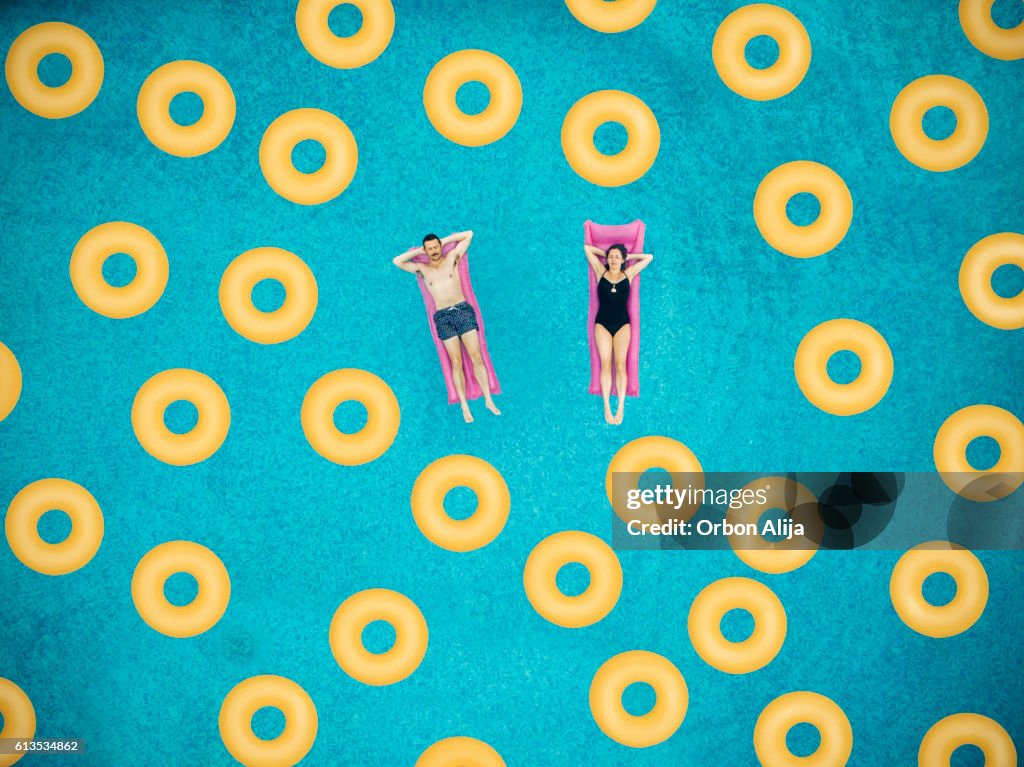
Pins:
x: 616, y: 260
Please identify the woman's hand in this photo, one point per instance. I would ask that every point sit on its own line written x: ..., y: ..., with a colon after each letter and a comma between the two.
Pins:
x: 640, y: 262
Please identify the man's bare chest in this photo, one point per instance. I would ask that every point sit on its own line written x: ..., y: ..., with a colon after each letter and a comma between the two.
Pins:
x: 438, y: 278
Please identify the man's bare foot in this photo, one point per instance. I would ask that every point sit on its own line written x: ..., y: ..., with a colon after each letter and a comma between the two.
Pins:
x: 608, y: 415
x: 466, y: 415
x: 492, y: 407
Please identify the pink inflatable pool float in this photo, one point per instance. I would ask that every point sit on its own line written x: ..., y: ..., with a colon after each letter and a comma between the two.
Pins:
x: 604, y: 236
x: 473, y: 390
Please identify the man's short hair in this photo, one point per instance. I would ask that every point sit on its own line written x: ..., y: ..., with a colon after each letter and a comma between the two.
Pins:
x: 430, y: 237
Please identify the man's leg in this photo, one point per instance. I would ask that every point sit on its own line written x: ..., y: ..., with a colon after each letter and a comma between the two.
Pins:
x: 455, y: 355
x: 620, y: 345
x: 472, y: 342
x: 603, y: 339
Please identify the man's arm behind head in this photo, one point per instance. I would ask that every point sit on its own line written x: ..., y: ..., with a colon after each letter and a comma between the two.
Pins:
x: 463, y: 239
x: 405, y: 262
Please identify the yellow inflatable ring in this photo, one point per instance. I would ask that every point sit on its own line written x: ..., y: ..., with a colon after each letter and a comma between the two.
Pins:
x: 811, y: 367
x: 950, y: 452
x: 729, y: 51
x: 10, y: 381
x: 311, y: 22
x: 282, y: 324
x: 645, y: 453
x: 199, y: 615
x: 103, y: 241
x: 987, y: 36
x: 154, y: 103
x: 248, y: 697
x: 322, y: 185
x: 947, y: 735
x: 949, y: 153
x: 454, y: 71
x: 193, y: 446
x: 788, y: 554
x: 38, y: 42
x: 818, y: 237
x: 382, y: 416
x: 795, y: 708
x: 910, y: 573
x: 362, y: 609
x: 75, y: 551
x: 460, y: 752
x: 18, y: 715
x: 492, y: 497
x: 642, y: 142
x: 618, y: 673
x: 976, y: 272
x: 601, y: 594
x: 705, y: 625
x: 613, y: 16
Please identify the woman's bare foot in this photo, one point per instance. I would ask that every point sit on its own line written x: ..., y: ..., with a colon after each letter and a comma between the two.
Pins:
x: 618, y: 416
x: 608, y: 415
x: 466, y: 415
x: 492, y: 407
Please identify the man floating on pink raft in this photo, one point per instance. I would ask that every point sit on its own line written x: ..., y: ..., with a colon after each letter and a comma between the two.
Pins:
x: 616, y: 260
x: 455, y: 317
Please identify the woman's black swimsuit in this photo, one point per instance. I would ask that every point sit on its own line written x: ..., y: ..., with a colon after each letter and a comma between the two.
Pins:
x: 611, y: 304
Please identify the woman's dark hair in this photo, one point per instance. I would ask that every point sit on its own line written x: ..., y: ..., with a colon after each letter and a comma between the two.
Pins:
x: 430, y: 237
x: 620, y: 247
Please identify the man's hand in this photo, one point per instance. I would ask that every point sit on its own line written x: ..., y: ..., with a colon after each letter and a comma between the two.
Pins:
x: 456, y: 237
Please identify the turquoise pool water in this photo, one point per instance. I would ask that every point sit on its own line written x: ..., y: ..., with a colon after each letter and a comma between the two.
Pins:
x: 722, y: 316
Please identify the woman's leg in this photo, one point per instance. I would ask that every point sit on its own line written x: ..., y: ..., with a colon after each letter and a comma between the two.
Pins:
x: 620, y: 345
x: 455, y: 355
x: 603, y: 339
